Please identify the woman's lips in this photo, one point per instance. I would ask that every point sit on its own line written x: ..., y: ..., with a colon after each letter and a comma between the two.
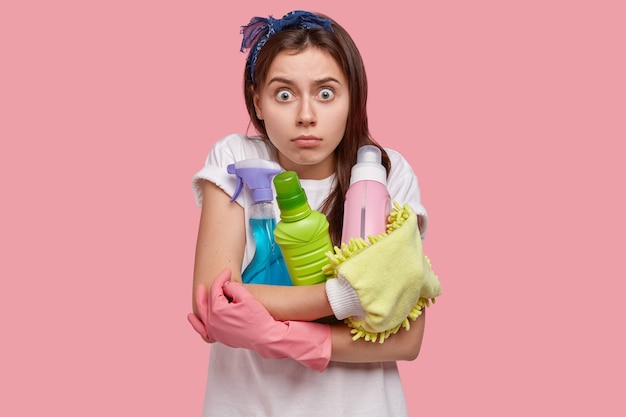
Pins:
x: 306, y: 141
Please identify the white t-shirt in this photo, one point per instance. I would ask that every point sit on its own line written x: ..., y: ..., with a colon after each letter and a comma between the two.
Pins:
x: 240, y: 382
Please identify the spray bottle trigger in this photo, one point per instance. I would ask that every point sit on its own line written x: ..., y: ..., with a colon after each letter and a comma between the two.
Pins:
x: 231, y: 170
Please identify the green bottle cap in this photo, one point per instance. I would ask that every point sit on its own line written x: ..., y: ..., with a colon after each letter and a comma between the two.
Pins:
x: 291, y: 197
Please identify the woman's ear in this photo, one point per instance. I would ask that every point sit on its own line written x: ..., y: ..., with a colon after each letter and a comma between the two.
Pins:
x: 257, y: 105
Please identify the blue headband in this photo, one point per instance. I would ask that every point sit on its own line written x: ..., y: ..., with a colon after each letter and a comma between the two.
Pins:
x: 260, y: 29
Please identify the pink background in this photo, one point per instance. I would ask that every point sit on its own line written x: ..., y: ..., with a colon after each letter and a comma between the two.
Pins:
x: 512, y: 114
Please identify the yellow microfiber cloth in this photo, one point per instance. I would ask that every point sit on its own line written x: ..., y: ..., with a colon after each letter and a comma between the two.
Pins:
x: 390, y: 274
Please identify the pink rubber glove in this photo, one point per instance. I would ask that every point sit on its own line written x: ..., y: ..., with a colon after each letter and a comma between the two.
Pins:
x: 229, y: 314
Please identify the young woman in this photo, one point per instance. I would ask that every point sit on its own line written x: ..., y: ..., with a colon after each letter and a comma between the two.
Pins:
x: 305, y: 90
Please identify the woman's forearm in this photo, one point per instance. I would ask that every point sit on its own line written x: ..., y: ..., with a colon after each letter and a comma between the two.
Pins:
x: 302, y: 303
x: 309, y: 303
x: 404, y: 345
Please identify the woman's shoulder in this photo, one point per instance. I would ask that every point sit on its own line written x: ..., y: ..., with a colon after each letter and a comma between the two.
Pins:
x: 398, y: 162
x: 393, y: 154
x: 237, y: 146
x: 239, y: 141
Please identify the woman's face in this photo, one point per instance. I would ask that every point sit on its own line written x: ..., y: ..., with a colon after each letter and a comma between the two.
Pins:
x: 304, y: 104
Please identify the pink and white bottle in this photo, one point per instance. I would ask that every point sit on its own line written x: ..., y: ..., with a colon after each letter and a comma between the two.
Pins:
x: 367, y: 203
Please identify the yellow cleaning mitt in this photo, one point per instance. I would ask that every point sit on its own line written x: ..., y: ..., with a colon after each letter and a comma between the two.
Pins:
x: 390, y: 274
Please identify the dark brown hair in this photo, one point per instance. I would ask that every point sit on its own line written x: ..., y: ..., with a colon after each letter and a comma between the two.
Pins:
x: 342, y: 48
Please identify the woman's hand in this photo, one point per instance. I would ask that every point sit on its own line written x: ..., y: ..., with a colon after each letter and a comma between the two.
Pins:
x: 229, y: 314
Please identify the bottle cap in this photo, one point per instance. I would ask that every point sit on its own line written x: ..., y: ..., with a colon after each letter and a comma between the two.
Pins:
x: 290, y: 196
x: 368, y: 166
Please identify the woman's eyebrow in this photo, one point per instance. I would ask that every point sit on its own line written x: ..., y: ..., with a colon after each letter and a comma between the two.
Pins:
x: 280, y: 80
x: 327, y: 80
x: 287, y: 81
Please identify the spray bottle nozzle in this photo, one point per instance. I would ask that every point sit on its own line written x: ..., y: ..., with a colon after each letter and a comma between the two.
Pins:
x: 257, y: 174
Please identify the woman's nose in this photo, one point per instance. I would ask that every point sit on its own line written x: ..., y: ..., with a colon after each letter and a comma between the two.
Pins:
x: 306, y: 114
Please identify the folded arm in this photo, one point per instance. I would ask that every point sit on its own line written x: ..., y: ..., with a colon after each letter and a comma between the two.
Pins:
x: 402, y: 346
x: 221, y: 244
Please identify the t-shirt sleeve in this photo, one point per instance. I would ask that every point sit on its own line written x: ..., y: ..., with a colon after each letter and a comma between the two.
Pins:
x: 223, y: 153
x: 226, y: 151
x: 403, y: 186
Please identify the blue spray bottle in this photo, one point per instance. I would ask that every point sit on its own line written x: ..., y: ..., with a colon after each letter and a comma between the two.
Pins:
x: 267, y: 265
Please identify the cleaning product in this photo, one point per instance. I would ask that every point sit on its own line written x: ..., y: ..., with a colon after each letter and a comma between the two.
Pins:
x: 367, y: 204
x: 267, y: 265
x: 398, y: 255
x: 302, y: 233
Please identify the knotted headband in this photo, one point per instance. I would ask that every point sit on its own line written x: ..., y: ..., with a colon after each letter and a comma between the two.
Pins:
x: 260, y: 29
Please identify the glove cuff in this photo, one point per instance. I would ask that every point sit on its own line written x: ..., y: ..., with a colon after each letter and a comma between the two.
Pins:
x: 309, y: 343
x: 306, y: 342
x: 343, y: 299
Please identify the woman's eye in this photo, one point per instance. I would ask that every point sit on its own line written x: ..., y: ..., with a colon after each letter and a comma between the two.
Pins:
x: 284, y: 95
x: 326, y: 94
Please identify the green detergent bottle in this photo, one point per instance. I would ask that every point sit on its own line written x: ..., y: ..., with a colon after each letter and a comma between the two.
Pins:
x: 302, y: 233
